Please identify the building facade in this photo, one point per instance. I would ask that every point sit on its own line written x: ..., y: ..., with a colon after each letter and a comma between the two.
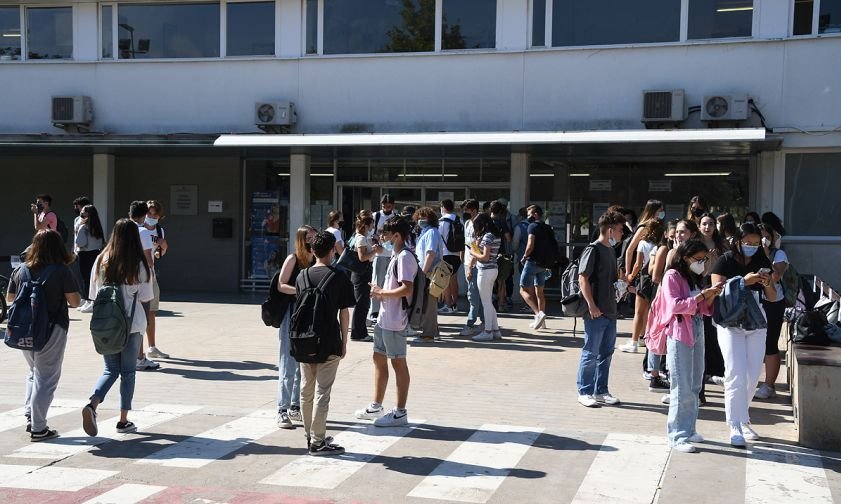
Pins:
x: 422, y: 99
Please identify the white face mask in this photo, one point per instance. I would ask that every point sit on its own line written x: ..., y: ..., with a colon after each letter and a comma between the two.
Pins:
x: 697, y: 267
x: 766, y: 242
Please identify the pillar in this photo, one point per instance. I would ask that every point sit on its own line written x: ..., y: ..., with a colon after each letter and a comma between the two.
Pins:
x: 519, y: 181
x: 299, y: 194
x: 103, y: 189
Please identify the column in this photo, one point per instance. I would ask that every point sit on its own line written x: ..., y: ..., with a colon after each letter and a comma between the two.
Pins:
x: 299, y: 194
x: 519, y: 180
x: 289, y: 35
x: 103, y: 189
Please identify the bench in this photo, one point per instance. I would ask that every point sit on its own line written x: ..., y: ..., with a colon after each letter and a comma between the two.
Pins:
x: 816, y: 395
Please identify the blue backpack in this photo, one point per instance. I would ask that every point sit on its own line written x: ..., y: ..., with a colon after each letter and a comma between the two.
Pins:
x: 29, y: 326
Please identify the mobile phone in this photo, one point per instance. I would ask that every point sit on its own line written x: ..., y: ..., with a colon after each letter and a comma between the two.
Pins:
x: 767, y: 271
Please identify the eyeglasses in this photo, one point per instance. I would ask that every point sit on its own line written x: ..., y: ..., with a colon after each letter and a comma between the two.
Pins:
x: 757, y: 244
x: 703, y: 259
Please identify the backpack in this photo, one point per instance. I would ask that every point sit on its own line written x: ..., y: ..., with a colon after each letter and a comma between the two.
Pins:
x: 523, y: 226
x: 420, y: 295
x: 791, y: 286
x: 573, y: 303
x: 276, y: 304
x: 29, y: 326
x: 455, y: 239
x: 551, y: 253
x: 311, y: 321
x: 809, y: 328
x: 61, y: 227
x: 110, y: 327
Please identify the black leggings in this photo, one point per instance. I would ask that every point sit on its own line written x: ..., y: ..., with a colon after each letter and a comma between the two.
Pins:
x: 713, y: 360
x: 86, y: 260
x: 362, y: 294
x: 775, y: 312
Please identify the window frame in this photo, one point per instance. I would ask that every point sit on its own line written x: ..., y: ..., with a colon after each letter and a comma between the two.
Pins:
x: 800, y: 238
x: 223, y: 30
x: 24, y: 29
x: 816, y: 12
x: 23, y: 37
x: 114, y: 34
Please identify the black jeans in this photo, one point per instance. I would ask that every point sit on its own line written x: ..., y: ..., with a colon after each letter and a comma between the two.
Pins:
x: 86, y: 262
x: 362, y: 294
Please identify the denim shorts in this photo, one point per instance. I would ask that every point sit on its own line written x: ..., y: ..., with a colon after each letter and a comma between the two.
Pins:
x: 532, y: 275
x: 390, y: 343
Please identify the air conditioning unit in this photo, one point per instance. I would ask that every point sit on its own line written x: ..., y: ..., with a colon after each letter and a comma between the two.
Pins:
x: 725, y: 108
x: 663, y: 106
x: 72, y: 111
x: 275, y: 115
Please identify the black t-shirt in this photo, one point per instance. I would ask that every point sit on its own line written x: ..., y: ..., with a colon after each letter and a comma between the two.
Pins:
x: 543, y: 243
x: 60, y: 282
x: 729, y: 266
x: 340, y: 295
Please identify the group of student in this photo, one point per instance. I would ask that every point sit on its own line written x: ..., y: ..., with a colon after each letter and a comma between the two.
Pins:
x: 126, y: 260
x: 677, y: 272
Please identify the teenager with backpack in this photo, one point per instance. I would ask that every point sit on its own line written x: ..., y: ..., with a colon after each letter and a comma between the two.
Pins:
x: 44, y: 273
x: 88, y: 241
x: 138, y: 211
x: 390, y: 331
x: 43, y: 217
x: 540, y: 252
x: 430, y: 251
x: 452, y: 232
x: 288, y: 370
x: 382, y: 259
x: 122, y: 264
x: 319, y: 339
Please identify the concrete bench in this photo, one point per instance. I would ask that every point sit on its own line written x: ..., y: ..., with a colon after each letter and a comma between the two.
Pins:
x: 816, y: 395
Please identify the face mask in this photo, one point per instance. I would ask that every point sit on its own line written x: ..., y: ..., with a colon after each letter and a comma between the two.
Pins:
x: 697, y: 267
x: 369, y: 234
x: 777, y: 242
x: 766, y: 242
x: 661, y: 215
x: 671, y: 244
x: 613, y: 242
x: 150, y: 221
x: 388, y: 246
x: 467, y: 217
x: 697, y: 212
x: 749, y: 250
x: 423, y: 224
x: 748, y: 222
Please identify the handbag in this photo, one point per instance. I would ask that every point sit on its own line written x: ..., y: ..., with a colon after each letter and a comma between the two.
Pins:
x: 349, y: 260
x: 439, y: 278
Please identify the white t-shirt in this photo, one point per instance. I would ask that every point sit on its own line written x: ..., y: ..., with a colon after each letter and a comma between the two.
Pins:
x: 379, y: 221
x: 142, y: 289
x: 337, y: 233
x: 146, y: 238
x: 153, y: 235
x: 392, y: 315
x: 646, y: 247
x: 444, y: 227
x: 779, y: 257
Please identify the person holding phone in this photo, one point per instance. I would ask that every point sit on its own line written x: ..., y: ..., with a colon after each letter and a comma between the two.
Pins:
x: 743, y: 349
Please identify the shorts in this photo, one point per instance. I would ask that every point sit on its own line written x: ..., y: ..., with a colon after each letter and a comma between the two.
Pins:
x: 390, y: 343
x: 156, y: 292
x: 454, y: 261
x: 532, y: 275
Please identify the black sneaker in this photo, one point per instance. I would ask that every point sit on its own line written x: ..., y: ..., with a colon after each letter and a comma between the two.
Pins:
x: 325, y: 449
x: 328, y: 440
x: 28, y: 424
x: 89, y: 421
x: 126, y: 427
x: 658, y: 384
x: 43, y: 435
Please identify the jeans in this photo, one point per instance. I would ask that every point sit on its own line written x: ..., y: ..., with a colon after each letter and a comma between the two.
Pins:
x: 44, y: 373
x: 599, y: 343
x: 475, y: 312
x: 288, y: 370
x: 122, y: 365
x: 532, y: 275
x: 654, y: 361
x: 743, y: 353
x: 362, y: 295
x: 316, y: 386
x: 486, y: 279
x: 380, y: 269
x: 686, y: 373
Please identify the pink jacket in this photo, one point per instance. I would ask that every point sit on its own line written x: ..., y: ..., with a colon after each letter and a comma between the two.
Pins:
x: 678, y: 301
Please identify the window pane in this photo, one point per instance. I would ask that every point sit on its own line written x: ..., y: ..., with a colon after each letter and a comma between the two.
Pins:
x: 9, y: 33
x: 49, y: 33
x: 829, y: 20
x: 802, y: 17
x: 168, y: 31
x: 378, y: 26
x: 312, y: 26
x: 812, y: 207
x: 720, y: 18
x: 469, y: 24
x: 107, y: 32
x: 538, y: 21
x: 250, y: 28
x: 598, y: 22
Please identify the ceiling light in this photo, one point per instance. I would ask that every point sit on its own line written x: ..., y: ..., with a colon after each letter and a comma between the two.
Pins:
x: 434, y: 175
x: 734, y: 9
x: 541, y: 175
x: 579, y: 174
x: 702, y: 174
x: 321, y: 174
x: 282, y: 174
x: 11, y: 35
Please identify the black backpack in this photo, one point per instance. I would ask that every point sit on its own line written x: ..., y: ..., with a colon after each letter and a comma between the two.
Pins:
x: 420, y: 295
x: 311, y: 321
x: 61, y: 227
x: 573, y: 303
x: 455, y: 239
x: 809, y: 328
x: 550, y: 254
x: 276, y: 304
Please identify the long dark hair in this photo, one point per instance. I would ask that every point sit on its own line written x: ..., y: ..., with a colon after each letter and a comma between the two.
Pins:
x: 47, y: 248
x: 93, y: 222
x: 744, y: 230
x: 771, y: 220
x: 728, y: 225
x: 688, y: 249
x: 123, y: 256
x: 718, y: 241
x: 483, y: 224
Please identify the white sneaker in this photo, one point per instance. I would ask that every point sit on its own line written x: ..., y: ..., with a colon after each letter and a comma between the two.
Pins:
x: 765, y: 391
x: 629, y: 347
x: 588, y: 401
x: 684, y: 447
x: 145, y: 364
x: 606, y: 399
x: 736, y: 437
x: 87, y: 307
x: 666, y: 399
x: 539, y: 319
x: 718, y: 380
x: 393, y: 419
x: 156, y: 353
x: 748, y: 433
x: 696, y: 438
x: 469, y: 331
x: 295, y: 415
x: 445, y: 310
x: 370, y: 413
x: 484, y: 336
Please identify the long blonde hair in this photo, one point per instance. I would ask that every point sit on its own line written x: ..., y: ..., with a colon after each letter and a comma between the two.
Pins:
x: 302, y: 253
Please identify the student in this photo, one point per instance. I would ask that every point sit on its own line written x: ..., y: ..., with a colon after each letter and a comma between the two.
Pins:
x: 390, y: 331
x: 383, y: 257
x: 774, y: 310
x: 654, y: 211
x: 452, y: 257
x: 367, y: 247
x: 743, y: 346
x: 697, y: 208
x: 598, y: 275
x: 752, y: 218
x: 138, y: 211
x: 430, y: 251
x: 43, y: 217
x: 727, y: 228
x: 46, y: 255
x: 639, y: 277
x: 288, y: 370
x: 500, y: 216
x: 122, y: 262
x: 714, y: 362
x: 485, y: 249
x: 88, y: 241
x: 317, y: 378
x: 533, y: 277
x: 475, y: 312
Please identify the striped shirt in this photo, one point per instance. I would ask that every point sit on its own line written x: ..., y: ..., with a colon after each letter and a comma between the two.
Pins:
x: 492, y: 242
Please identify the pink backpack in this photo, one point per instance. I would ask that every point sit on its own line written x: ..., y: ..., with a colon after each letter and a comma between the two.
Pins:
x: 658, y: 323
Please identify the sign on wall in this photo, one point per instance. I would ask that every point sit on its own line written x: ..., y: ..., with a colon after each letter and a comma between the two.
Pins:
x: 659, y: 185
x: 184, y: 200
x: 605, y: 185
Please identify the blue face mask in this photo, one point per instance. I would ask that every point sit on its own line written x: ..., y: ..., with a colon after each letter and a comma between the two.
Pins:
x: 423, y: 224
x: 388, y: 246
x: 661, y: 215
x: 749, y: 250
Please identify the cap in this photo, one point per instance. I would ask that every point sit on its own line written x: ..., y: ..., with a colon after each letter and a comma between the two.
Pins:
x: 387, y: 198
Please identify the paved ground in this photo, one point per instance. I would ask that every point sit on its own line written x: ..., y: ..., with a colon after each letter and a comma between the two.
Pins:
x: 494, y: 423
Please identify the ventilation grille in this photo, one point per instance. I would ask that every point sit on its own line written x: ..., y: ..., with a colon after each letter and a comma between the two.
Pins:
x: 658, y: 105
x: 63, y: 109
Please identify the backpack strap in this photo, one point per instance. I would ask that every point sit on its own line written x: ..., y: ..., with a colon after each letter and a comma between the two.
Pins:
x: 307, y: 283
x: 324, y: 281
x: 133, y: 308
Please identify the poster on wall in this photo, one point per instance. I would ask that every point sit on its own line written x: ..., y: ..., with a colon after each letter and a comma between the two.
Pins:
x: 265, y: 233
x: 184, y: 200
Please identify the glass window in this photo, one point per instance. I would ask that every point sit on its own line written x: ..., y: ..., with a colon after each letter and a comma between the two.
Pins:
x: 388, y: 170
x: 168, y: 30
x: 267, y: 218
x: 107, y: 32
x: 803, y: 10
x: 720, y: 18
x: 496, y: 170
x: 9, y: 33
x: 312, y: 26
x: 462, y: 170
x: 468, y: 24
x: 538, y: 23
x: 378, y: 26
x: 811, y: 206
x: 829, y: 19
x: 598, y: 22
x: 49, y: 33
x: 250, y: 28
